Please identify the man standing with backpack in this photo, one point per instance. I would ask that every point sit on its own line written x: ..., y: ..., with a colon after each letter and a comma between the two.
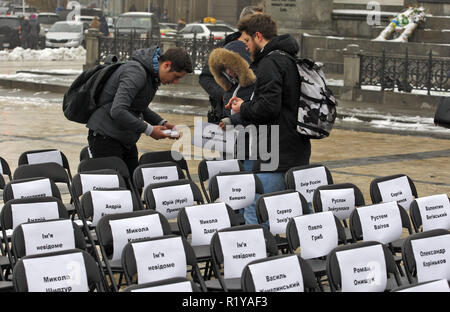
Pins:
x: 276, y: 97
x: 123, y: 115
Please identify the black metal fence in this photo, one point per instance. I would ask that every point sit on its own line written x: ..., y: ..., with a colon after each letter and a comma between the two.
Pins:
x: 406, y: 73
x: 122, y: 45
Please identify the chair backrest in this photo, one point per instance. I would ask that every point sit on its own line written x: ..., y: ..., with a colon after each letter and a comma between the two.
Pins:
x: 96, y: 180
x: 162, y: 156
x: 435, y: 210
x: 147, y: 174
x: 209, y: 168
x: 44, y: 156
x: 237, y: 189
x: 55, y: 272
x: 283, y: 272
x: 18, y: 211
x: 96, y: 204
x: 279, y: 207
x: 148, y: 259
x: 341, y: 199
x: 361, y: 265
x: 319, y: 233
x: 2, y: 182
x: 46, y: 236
x: 202, y: 221
x: 30, y: 188
x: 397, y: 187
x: 236, y: 246
x: 51, y: 170
x: 175, y: 284
x: 169, y: 197
x: 114, y: 231
x: 425, y: 255
x: 111, y: 162
x: 305, y: 179
x: 85, y: 153
x: 4, y: 168
x: 380, y: 225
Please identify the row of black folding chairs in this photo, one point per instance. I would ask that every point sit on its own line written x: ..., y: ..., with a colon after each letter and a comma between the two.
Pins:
x: 364, y: 266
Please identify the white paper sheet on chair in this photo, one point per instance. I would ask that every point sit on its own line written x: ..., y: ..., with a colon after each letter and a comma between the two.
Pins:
x: 397, y: 190
x: 340, y: 202
x: 435, y: 212
x: 280, y: 209
x: 307, y: 180
x: 34, y: 212
x: 110, y: 202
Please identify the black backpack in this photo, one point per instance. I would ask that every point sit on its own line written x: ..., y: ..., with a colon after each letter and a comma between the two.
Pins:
x: 317, y: 104
x: 81, y: 100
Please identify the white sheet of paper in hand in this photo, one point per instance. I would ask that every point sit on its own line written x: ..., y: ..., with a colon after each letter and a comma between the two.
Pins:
x: 205, y: 220
x: 340, y: 202
x: 63, y: 273
x: 317, y: 233
x: 130, y: 229
x: 238, y: 191
x: 159, y: 174
x: 217, y: 166
x: 363, y: 269
x: 45, y: 157
x: 397, y: 190
x: 169, y: 200
x: 211, y: 137
x: 92, y: 182
x: 381, y: 222
x: 436, y: 286
x: 110, y: 202
x: 307, y: 180
x: 175, y: 287
x: 278, y: 275
x: 35, y: 189
x: 432, y: 257
x: 159, y: 259
x: 33, y: 212
x: 435, y: 212
x: 48, y: 237
x: 280, y: 209
x: 240, y: 248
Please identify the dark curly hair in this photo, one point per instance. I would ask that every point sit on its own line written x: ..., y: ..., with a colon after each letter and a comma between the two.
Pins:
x: 181, y: 61
x: 262, y: 23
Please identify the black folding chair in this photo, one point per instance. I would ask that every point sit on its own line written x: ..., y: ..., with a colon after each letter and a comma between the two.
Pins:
x: 106, y: 239
x: 202, y: 252
x: 214, y: 191
x: 20, y: 276
x: 5, y: 169
x: 309, y: 280
x: 85, y: 153
x: 28, y: 158
x: 166, y: 285
x: 359, y: 202
x: 234, y: 284
x: 150, y: 200
x: 416, y: 217
x: 334, y: 272
x: 162, y: 156
x: 318, y: 264
x: 262, y: 213
x: 204, y: 172
x: 129, y: 261
x: 409, y: 260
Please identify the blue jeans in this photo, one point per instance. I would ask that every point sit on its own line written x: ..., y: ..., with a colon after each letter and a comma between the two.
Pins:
x: 271, y: 181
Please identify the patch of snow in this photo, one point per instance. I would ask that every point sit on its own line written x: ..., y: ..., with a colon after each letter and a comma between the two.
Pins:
x: 61, y: 54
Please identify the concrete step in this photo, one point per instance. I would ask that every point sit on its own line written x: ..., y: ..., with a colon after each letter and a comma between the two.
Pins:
x: 421, y: 35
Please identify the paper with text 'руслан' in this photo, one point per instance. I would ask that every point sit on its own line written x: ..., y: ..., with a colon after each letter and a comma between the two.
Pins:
x: 340, y: 202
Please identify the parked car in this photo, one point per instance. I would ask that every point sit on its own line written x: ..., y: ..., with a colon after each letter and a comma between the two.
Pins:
x: 144, y: 24
x: 65, y: 34
x: 86, y: 20
x: 168, y: 30
x: 10, y: 31
x: 218, y: 31
x: 46, y: 20
x: 18, y: 10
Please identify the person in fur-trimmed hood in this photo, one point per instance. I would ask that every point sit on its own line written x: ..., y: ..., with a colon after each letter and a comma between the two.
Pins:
x: 231, y: 70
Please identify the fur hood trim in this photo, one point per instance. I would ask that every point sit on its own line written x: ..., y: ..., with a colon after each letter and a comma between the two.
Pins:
x: 221, y: 58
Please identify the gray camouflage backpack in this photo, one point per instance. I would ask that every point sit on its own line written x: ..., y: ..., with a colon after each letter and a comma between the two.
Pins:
x: 317, y: 104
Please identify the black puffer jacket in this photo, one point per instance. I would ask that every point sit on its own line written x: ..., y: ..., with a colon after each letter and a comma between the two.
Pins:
x: 125, y: 99
x: 275, y: 101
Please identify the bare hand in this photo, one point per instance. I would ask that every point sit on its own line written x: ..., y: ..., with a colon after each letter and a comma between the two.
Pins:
x: 169, y: 126
x: 157, y: 133
x: 235, y: 104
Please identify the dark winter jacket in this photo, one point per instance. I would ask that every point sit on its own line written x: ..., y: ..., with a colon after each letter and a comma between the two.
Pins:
x: 275, y: 100
x: 104, y: 29
x: 125, y: 99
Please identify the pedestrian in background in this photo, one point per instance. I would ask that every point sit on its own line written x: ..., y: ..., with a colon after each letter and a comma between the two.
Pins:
x: 35, y: 29
x: 95, y: 23
x: 26, y: 30
x: 104, y: 28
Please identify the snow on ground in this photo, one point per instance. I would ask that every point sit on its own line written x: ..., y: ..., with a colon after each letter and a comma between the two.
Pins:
x: 60, y: 54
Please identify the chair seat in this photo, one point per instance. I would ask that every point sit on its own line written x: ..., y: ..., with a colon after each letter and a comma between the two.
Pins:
x: 174, y: 228
x: 282, y: 242
x: 318, y: 266
x: 4, y: 261
x: 6, y: 286
x: 397, y: 245
x: 348, y: 235
x: 202, y: 253
x: 233, y: 284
